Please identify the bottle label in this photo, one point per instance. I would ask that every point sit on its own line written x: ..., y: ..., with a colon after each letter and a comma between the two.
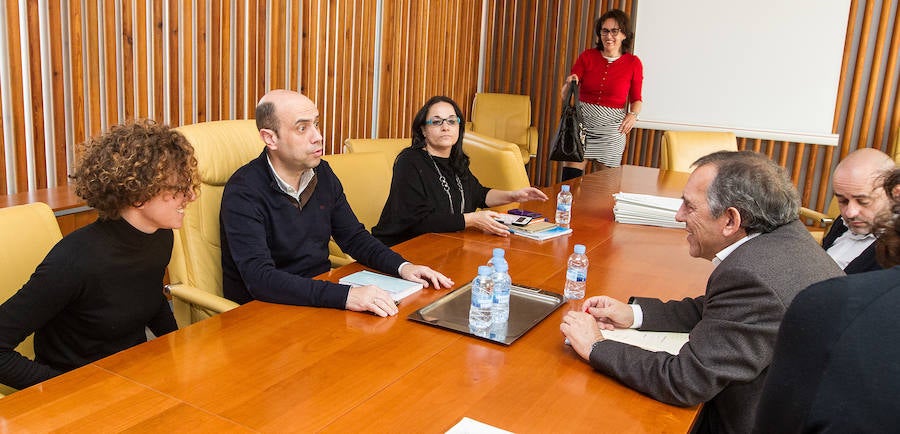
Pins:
x: 563, y: 206
x: 576, y: 275
x: 481, y: 299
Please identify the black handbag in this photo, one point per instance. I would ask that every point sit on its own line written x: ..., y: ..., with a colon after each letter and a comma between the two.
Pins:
x: 568, y: 144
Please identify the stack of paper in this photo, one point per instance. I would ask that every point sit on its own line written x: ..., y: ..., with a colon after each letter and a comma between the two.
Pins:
x: 645, y: 209
x: 670, y: 342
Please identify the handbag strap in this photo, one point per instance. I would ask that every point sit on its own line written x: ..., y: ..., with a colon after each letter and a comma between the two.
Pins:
x: 572, y: 93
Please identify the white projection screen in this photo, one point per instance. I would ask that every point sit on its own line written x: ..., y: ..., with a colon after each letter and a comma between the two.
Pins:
x: 767, y: 70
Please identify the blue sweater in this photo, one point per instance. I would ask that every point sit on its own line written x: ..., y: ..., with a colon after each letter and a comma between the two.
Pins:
x: 271, y: 248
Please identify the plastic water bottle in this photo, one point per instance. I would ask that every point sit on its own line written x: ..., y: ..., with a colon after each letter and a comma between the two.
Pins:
x: 480, y: 310
x: 498, y: 253
x: 576, y: 274
x: 498, y: 331
x: 502, y: 282
x: 564, y: 207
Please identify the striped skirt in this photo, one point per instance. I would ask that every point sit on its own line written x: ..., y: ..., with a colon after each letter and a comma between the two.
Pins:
x: 603, y: 142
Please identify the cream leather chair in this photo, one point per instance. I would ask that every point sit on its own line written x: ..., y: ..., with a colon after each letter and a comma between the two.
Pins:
x: 506, y: 117
x: 389, y: 148
x: 221, y: 147
x: 27, y: 233
x: 819, y: 223
x: 897, y: 149
x: 366, y: 177
x: 681, y: 148
x: 496, y: 164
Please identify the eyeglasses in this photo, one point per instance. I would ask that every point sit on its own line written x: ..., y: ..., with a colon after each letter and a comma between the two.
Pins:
x: 436, y: 122
x: 614, y: 32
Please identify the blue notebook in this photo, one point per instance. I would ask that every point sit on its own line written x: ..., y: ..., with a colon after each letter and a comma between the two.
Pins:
x: 398, y: 288
x: 543, y: 235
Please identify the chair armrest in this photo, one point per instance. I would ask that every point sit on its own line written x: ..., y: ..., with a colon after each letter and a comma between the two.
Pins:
x: 336, y: 256
x: 340, y: 261
x: 819, y: 219
x: 198, y: 297
x: 532, y: 141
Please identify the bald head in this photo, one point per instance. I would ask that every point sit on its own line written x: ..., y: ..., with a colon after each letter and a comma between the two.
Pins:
x: 268, y: 107
x: 858, y: 187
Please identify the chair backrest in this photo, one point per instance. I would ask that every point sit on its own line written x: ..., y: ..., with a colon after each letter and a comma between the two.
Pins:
x: 681, y: 148
x: 366, y: 177
x: 27, y: 233
x: 501, y: 115
x: 221, y: 147
x: 496, y: 163
x: 389, y: 148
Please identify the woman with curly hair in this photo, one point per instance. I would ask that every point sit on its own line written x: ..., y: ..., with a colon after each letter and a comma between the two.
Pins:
x: 101, y: 285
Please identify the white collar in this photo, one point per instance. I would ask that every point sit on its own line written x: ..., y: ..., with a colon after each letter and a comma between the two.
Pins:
x: 727, y: 251
x: 305, y: 178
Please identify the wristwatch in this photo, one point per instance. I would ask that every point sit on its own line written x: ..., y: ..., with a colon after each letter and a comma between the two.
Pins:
x: 633, y: 113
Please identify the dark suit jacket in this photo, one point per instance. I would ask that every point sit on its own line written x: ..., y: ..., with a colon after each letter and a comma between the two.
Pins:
x: 864, y: 262
x: 837, y: 362
x: 732, y: 329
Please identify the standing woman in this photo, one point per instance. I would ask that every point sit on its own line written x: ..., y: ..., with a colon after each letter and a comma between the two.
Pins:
x: 432, y: 189
x: 610, y: 101
x: 100, y: 286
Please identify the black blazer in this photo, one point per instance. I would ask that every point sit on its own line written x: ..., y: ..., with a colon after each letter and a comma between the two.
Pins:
x: 836, y: 363
x: 864, y: 262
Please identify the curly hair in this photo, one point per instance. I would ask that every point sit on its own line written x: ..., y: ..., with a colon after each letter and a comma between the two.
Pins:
x: 132, y: 163
x: 888, y: 246
x: 624, y: 24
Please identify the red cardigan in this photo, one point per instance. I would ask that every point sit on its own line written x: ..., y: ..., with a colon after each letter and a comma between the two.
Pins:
x: 609, y: 84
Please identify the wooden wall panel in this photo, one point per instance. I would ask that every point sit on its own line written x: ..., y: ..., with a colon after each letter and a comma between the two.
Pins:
x: 427, y: 50
x: 184, y: 61
x: 868, y: 105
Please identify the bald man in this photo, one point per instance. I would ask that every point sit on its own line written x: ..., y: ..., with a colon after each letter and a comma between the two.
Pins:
x: 858, y: 187
x: 279, y: 211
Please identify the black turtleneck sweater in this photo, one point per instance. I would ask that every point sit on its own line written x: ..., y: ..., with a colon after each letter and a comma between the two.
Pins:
x: 91, y: 297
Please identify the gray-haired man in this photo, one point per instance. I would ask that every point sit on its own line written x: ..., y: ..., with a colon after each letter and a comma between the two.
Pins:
x: 740, y: 212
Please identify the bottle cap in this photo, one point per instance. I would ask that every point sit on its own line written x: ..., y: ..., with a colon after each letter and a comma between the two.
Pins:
x: 501, y: 266
x: 499, y: 253
x: 579, y: 248
x: 484, y: 270
x: 565, y: 187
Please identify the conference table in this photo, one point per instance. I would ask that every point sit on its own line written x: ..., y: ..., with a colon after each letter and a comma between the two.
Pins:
x: 274, y: 368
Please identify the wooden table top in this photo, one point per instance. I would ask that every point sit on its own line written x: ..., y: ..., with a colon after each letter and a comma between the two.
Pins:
x: 60, y: 198
x: 276, y: 368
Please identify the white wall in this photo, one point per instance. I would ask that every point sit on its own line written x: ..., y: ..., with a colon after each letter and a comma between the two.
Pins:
x: 765, y: 70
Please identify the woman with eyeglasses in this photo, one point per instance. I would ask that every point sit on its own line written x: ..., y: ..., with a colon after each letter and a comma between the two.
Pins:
x: 433, y: 190
x: 610, y: 80
x: 100, y: 286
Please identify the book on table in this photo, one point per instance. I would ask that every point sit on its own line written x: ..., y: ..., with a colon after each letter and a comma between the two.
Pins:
x: 398, y: 288
x: 545, y: 234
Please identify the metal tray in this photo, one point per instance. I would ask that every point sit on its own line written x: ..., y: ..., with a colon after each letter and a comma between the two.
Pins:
x: 527, y: 307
